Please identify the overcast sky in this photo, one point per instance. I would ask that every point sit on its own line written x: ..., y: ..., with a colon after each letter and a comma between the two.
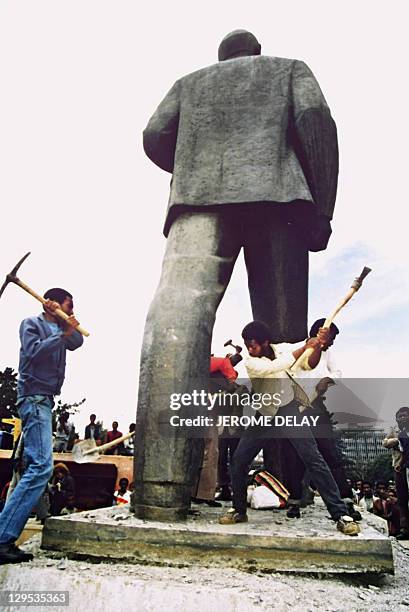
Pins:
x: 79, y: 81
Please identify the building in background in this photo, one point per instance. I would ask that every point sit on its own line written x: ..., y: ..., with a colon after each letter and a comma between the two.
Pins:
x: 362, y: 445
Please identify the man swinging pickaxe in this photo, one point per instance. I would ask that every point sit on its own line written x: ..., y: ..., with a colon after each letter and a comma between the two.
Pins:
x: 12, y: 278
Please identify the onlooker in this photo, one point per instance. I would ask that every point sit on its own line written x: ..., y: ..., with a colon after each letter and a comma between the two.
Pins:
x: 393, y: 442
x: 380, y: 489
x: 367, y: 497
x: 93, y: 430
x: 356, y: 490
x: 379, y: 505
x: 63, y: 433
x: 393, y: 514
x: 114, y: 434
x: 128, y: 445
x: 123, y: 494
x: 62, y: 491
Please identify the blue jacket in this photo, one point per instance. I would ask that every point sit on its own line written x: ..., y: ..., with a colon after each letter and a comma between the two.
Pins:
x: 42, y: 357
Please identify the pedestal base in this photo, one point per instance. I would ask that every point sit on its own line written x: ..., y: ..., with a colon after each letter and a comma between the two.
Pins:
x: 268, y: 542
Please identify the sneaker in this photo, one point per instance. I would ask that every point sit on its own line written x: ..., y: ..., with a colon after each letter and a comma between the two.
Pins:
x: 403, y: 535
x: 347, y: 526
x: 293, y: 511
x: 10, y: 553
x: 232, y: 517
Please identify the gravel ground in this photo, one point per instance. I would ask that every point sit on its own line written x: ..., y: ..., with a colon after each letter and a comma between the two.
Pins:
x: 105, y: 586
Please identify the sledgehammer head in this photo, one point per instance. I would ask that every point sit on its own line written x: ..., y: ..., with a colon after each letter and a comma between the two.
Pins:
x: 10, y: 278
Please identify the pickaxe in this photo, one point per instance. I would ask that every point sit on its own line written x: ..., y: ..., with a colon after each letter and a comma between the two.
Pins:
x: 356, y: 285
x: 303, y: 359
x: 12, y: 278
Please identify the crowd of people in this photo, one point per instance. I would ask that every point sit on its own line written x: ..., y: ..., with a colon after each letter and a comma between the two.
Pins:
x: 381, y: 499
x: 65, y: 436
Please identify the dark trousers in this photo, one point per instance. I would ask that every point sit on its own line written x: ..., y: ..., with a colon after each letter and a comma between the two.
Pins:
x: 227, y: 448
x: 306, y: 448
x: 295, y: 467
x: 201, y: 251
x: 401, y: 481
x: 326, y: 442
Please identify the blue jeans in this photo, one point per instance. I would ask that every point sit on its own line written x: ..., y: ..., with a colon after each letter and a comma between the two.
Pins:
x: 35, y: 413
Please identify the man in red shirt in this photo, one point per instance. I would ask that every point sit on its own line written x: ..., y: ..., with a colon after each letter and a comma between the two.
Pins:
x: 222, y: 377
x: 224, y: 366
x: 114, y: 435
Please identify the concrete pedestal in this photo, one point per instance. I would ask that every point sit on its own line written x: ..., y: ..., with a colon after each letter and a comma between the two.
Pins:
x: 269, y: 542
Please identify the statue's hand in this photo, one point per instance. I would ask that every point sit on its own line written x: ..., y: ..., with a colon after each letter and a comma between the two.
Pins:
x: 319, y: 233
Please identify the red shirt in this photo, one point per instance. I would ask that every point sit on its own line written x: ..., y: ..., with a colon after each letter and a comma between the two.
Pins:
x: 224, y: 366
x: 113, y: 435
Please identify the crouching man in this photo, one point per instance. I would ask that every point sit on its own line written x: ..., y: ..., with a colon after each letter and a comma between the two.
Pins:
x: 268, y: 377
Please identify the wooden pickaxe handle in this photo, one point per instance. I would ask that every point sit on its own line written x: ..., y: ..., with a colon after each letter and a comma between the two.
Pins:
x: 60, y: 313
x: 356, y: 285
x: 105, y: 447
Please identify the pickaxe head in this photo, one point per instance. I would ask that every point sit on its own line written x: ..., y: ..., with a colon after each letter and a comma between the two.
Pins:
x: 357, y: 284
x: 12, y: 276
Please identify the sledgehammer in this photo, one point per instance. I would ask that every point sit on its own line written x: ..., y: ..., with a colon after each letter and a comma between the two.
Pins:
x: 12, y: 278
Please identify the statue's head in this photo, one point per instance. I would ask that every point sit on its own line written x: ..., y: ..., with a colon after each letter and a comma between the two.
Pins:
x: 238, y: 43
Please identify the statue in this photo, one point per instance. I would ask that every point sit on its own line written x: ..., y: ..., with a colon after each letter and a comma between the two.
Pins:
x: 252, y: 149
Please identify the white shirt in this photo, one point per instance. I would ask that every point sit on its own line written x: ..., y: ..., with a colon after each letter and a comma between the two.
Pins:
x: 61, y: 435
x: 366, y: 503
x: 122, y: 498
x: 326, y: 368
x: 268, y: 376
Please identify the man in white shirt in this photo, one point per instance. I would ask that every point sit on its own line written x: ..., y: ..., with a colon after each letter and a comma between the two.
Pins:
x: 63, y: 433
x: 367, y: 500
x: 269, y: 378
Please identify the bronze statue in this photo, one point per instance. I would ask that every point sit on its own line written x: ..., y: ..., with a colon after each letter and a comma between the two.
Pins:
x: 252, y: 149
